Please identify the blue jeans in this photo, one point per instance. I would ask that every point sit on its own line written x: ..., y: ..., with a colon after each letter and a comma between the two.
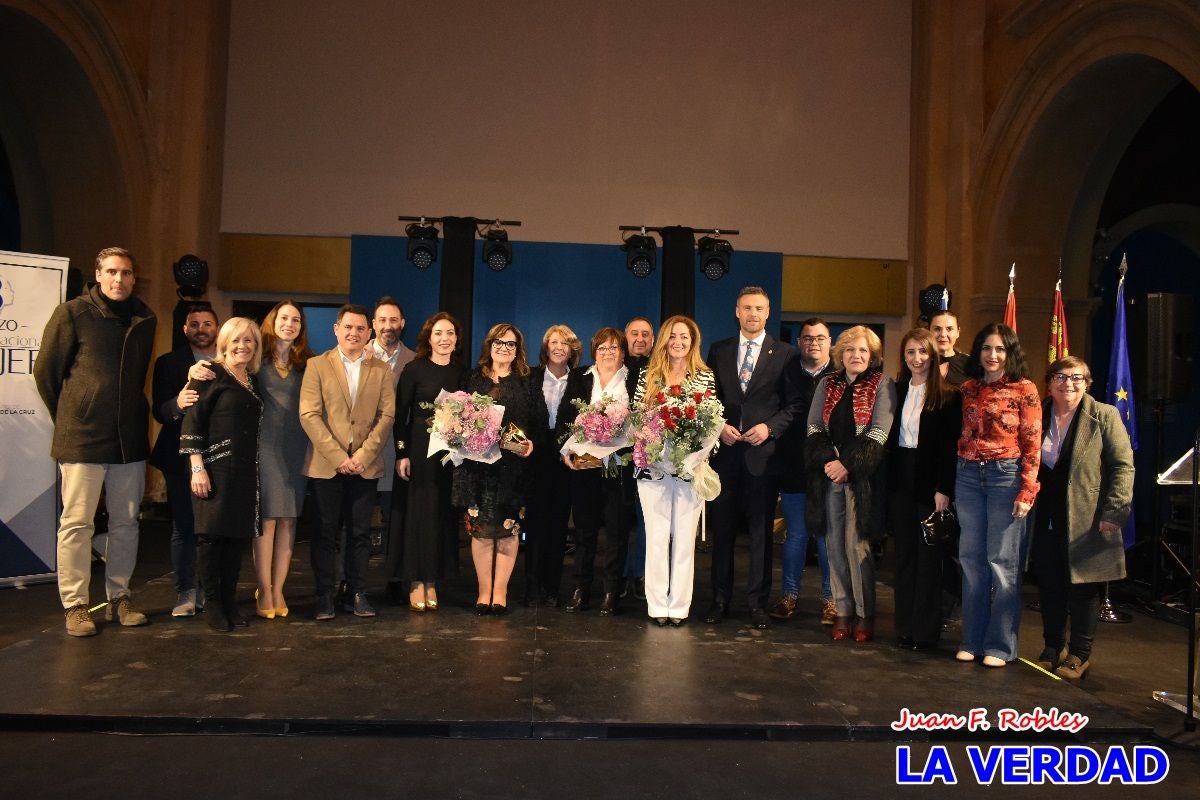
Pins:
x: 991, y: 549
x: 635, y: 559
x: 183, y: 535
x: 795, y: 547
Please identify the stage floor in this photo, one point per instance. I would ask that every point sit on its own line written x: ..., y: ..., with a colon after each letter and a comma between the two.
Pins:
x: 534, y: 673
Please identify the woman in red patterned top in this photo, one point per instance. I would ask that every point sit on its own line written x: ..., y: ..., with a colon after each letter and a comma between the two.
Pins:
x: 998, y: 457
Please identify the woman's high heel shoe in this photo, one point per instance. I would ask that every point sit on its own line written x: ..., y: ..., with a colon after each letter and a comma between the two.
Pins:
x: 282, y: 611
x: 431, y: 601
x: 268, y: 613
x: 415, y: 604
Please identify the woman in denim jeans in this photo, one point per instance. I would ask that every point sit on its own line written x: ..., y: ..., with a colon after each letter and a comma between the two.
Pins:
x: 996, y: 483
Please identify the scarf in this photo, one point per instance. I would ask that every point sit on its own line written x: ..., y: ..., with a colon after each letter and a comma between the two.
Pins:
x: 862, y: 396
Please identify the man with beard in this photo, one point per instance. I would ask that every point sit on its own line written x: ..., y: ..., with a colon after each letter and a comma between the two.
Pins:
x: 171, y: 399
x: 388, y: 324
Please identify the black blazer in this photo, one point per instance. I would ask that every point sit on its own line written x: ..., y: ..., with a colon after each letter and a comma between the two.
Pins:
x: 937, y: 444
x: 579, y: 387
x: 170, y: 375
x: 772, y: 396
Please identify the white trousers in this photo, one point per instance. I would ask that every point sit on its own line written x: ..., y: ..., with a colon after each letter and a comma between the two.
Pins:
x: 671, y: 510
x: 124, y: 485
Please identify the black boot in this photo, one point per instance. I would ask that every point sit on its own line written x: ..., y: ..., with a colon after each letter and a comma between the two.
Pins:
x: 210, y: 569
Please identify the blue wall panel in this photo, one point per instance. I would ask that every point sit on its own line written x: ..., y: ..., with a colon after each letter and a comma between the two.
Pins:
x: 379, y: 266
x: 585, y: 286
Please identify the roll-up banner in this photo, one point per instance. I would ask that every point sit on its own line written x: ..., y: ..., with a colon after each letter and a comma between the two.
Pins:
x: 30, y: 288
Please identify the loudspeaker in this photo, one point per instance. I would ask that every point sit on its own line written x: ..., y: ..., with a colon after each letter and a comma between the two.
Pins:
x: 1160, y: 346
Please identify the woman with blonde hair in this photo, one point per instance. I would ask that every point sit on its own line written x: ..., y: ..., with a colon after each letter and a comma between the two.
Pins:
x: 848, y: 426
x: 220, y: 438
x: 549, y: 503
x: 493, y: 494
x: 670, y: 504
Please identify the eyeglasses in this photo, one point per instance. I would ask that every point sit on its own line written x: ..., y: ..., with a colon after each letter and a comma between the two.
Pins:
x: 1062, y: 377
x: 814, y: 339
x: 608, y: 348
x: 504, y: 344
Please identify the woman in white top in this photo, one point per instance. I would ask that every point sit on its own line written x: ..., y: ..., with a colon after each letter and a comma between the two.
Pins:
x: 921, y: 470
x: 670, y: 505
x: 596, y: 498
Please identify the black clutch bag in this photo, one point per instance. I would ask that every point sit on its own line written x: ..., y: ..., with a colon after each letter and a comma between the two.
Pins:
x: 940, y: 528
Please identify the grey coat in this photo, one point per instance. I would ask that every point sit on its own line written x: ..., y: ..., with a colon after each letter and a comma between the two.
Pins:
x: 1099, y: 489
x: 91, y: 373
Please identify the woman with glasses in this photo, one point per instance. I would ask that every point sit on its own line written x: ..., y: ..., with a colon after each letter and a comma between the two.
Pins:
x: 597, y: 497
x: 428, y: 525
x: 995, y: 486
x: 493, y: 494
x: 921, y: 467
x: 549, y: 504
x: 1087, y: 490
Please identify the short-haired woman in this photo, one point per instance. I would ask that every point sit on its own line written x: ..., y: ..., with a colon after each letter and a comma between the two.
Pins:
x: 848, y: 426
x: 220, y: 438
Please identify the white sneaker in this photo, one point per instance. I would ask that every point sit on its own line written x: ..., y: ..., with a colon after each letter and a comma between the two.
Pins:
x: 964, y: 655
x: 185, y: 604
x: 994, y: 661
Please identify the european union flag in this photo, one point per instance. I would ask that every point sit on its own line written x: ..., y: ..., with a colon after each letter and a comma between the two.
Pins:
x: 1120, y: 386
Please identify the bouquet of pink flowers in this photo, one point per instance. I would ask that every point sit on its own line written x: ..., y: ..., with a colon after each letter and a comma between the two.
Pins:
x: 598, y: 432
x: 465, y: 424
x: 677, y: 434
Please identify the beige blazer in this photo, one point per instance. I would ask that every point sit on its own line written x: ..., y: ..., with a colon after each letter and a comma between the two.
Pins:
x: 335, y: 429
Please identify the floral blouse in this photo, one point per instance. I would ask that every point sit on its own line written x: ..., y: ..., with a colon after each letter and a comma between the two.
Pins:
x: 1003, y: 420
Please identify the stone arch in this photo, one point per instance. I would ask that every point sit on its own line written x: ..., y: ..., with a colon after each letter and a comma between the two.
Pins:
x: 75, y: 129
x: 1056, y: 138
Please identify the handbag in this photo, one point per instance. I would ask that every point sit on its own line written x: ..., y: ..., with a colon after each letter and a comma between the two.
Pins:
x: 940, y: 528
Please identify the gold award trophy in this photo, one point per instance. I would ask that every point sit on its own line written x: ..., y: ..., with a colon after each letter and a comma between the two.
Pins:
x: 513, y: 439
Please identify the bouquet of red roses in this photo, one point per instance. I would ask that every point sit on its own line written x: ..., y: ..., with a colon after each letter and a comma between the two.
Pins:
x: 677, y: 434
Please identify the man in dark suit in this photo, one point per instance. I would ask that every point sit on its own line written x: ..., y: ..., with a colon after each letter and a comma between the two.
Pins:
x: 757, y: 388
x: 171, y: 399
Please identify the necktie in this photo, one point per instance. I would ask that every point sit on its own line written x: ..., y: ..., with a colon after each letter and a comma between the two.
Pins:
x: 747, y: 366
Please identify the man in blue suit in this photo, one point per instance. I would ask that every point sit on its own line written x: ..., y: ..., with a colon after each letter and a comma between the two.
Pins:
x: 756, y: 384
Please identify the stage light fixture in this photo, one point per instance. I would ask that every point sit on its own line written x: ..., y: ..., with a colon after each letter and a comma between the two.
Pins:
x: 422, y: 244
x: 497, y: 252
x: 639, y: 254
x: 191, y: 275
x: 714, y: 256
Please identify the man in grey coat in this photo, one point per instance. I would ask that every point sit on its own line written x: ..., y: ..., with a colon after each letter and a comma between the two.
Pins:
x: 91, y: 373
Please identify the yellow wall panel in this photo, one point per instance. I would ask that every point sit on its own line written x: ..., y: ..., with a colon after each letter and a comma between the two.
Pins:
x: 844, y: 285
x: 285, y: 264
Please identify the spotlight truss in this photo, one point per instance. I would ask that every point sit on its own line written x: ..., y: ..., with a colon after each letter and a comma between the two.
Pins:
x: 714, y: 253
x: 639, y: 253
x: 422, y: 244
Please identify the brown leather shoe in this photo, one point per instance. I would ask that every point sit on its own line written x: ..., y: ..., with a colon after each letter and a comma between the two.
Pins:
x: 785, y: 608
x: 841, y: 629
x: 828, y: 613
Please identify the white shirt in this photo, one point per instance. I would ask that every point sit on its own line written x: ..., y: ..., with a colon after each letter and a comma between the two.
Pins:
x: 910, y: 415
x: 615, y: 388
x: 353, y: 368
x: 812, y: 373
x: 553, y: 388
x: 741, y: 352
x: 1055, y: 436
x: 382, y: 354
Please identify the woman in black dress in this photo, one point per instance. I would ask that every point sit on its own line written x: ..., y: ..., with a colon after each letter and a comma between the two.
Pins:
x: 428, y: 527
x: 220, y: 438
x: 493, y: 494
